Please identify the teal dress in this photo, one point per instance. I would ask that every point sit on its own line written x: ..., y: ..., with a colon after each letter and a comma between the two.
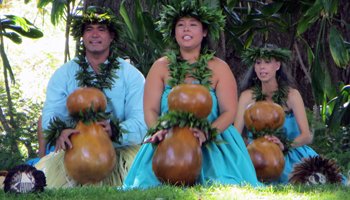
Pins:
x: 227, y: 162
x: 294, y: 155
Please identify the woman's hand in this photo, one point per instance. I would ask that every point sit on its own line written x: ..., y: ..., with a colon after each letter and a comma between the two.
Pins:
x: 200, y: 135
x: 275, y: 140
x: 157, y: 137
x: 106, y: 127
x: 63, y: 142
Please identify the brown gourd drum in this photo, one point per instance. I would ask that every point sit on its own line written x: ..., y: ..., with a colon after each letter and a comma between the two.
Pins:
x: 268, y: 159
x: 92, y: 157
x: 267, y: 156
x: 263, y: 115
x: 178, y: 158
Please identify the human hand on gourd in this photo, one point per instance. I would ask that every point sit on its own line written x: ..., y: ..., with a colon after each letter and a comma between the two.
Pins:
x: 160, y: 135
x: 63, y: 142
x: 106, y: 127
x: 275, y: 140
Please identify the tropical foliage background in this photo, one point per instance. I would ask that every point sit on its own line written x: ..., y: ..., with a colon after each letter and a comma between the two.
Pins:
x: 317, y: 32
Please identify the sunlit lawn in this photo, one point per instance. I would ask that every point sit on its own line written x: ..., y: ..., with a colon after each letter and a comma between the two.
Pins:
x: 329, y: 192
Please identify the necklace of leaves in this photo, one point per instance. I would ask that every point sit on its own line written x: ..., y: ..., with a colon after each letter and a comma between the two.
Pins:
x: 280, y: 97
x: 179, y: 68
x: 199, y: 70
x: 88, y: 78
x: 102, y: 80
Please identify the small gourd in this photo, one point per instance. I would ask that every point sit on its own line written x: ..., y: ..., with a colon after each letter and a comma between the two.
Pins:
x: 262, y: 115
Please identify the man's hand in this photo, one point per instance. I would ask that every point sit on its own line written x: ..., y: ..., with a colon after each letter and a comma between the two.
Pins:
x: 106, y: 126
x: 63, y: 142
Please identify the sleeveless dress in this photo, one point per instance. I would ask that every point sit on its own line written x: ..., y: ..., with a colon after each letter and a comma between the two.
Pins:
x: 294, y: 155
x: 227, y: 162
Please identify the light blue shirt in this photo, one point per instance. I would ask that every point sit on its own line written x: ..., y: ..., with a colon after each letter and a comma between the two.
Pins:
x: 125, y: 98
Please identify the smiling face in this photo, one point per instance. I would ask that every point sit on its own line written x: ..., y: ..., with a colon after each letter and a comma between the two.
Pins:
x: 189, y: 33
x: 266, y: 69
x: 97, y: 39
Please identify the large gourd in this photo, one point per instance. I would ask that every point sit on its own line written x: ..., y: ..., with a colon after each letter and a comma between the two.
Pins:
x: 178, y: 158
x: 267, y: 156
x: 92, y: 157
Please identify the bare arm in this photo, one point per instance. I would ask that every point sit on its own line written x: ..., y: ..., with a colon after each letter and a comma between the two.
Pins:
x: 226, y: 92
x: 296, y: 104
x: 154, y: 87
x: 244, y: 100
x: 41, y: 139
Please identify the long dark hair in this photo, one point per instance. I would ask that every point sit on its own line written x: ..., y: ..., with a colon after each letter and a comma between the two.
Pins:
x: 250, y: 79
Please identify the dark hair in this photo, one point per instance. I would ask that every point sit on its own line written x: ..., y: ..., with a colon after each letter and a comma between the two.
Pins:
x: 95, y: 15
x: 283, y: 77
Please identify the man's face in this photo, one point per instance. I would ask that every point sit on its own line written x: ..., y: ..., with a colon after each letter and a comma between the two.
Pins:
x: 97, y: 38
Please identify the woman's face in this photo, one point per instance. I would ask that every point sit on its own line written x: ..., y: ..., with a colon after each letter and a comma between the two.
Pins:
x: 266, y: 69
x: 189, y: 33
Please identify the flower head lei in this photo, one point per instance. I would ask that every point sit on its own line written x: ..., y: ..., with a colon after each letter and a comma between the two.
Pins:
x: 268, y: 51
x: 209, y: 17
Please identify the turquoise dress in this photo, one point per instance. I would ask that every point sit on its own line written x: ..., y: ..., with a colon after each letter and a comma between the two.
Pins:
x: 224, y: 163
x: 294, y: 155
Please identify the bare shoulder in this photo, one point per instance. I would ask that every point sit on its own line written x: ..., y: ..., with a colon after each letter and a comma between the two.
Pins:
x: 217, y: 63
x: 246, y: 96
x: 294, y: 98
x: 159, y: 67
x: 161, y: 62
x: 293, y: 94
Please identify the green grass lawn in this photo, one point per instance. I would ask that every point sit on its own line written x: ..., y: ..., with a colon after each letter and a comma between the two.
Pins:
x: 329, y: 192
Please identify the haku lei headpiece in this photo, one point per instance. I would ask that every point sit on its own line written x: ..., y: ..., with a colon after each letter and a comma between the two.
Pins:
x: 250, y: 55
x: 210, y: 17
x: 94, y: 14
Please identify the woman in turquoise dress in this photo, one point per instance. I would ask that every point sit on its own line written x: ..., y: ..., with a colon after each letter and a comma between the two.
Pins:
x: 268, y: 79
x: 188, y: 25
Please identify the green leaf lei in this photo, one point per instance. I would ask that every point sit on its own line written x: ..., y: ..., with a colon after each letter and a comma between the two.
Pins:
x: 56, y: 125
x: 92, y: 15
x: 182, y: 119
x: 102, y: 80
x: 199, y: 70
x: 212, y: 18
x: 280, y: 97
x: 250, y: 55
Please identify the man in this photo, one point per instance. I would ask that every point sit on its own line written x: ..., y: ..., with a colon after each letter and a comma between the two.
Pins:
x: 98, y: 66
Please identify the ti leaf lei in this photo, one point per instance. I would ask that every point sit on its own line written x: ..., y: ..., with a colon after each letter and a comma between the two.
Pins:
x: 280, y: 97
x: 178, y: 70
x: 182, y: 119
x: 88, y: 78
x: 106, y: 76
